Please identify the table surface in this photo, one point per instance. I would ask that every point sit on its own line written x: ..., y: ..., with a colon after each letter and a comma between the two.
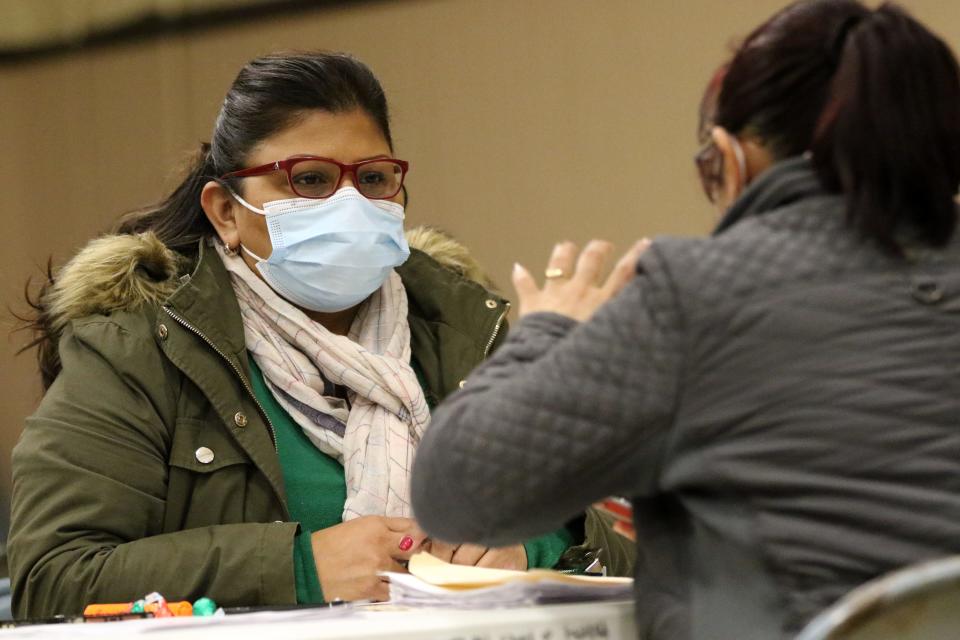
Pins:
x: 582, y: 621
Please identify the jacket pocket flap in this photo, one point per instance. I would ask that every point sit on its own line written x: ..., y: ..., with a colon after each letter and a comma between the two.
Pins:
x: 204, y: 447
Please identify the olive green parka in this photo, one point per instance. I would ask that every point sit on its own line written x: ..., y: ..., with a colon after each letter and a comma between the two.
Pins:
x: 112, y: 500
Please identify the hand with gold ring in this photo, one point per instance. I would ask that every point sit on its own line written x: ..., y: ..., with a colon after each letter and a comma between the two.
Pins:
x: 555, y: 272
x: 575, y: 286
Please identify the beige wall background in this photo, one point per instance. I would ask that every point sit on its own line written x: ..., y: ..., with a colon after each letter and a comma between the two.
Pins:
x: 526, y: 122
x: 29, y: 23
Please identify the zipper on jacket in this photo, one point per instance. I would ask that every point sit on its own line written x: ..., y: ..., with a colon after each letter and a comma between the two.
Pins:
x: 184, y: 323
x: 496, y: 329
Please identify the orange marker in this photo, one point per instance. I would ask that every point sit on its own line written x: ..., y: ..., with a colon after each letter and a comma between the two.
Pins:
x: 182, y: 608
x: 97, y: 610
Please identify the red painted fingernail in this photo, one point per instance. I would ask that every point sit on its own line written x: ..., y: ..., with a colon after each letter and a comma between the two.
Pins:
x: 405, y: 543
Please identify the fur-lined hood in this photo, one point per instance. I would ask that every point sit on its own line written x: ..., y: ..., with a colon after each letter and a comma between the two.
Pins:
x: 127, y: 272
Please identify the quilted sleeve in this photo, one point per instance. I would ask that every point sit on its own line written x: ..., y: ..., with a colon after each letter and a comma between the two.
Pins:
x: 562, y: 415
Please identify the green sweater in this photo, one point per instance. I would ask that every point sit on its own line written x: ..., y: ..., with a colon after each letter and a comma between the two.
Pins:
x: 317, y: 490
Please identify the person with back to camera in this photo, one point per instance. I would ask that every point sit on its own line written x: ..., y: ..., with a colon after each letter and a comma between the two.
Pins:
x: 236, y: 382
x: 779, y: 400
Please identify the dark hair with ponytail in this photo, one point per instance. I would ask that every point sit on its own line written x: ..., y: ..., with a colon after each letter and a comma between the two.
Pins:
x: 873, y: 94
x: 268, y: 95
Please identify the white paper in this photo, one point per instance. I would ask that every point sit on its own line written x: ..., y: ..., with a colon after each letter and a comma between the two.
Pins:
x: 432, y: 582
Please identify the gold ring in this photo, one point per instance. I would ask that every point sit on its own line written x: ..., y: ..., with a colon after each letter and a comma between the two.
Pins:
x: 555, y: 272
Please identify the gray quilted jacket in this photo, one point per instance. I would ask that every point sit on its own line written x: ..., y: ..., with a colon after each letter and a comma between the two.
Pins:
x: 781, y: 400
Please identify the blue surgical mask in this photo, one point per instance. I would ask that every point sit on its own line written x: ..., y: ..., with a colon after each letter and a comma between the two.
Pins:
x: 331, y: 254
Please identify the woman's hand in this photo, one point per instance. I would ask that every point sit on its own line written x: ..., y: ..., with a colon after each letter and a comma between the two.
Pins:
x: 349, y: 555
x: 514, y: 557
x: 576, y: 291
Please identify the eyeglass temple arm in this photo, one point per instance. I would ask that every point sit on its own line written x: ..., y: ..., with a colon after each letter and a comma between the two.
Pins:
x: 254, y: 171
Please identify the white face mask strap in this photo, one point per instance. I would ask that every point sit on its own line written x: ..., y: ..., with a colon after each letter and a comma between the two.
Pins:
x: 251, y: 254
x: 255, y: 210
x: 245, y: 203
x: 741, y: 160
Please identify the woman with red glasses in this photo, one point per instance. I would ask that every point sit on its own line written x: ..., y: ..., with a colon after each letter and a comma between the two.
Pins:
x: 237, y: 381
x: 779, y: 400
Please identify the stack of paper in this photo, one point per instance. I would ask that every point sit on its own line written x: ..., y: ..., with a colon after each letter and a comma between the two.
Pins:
x: 433, y: 582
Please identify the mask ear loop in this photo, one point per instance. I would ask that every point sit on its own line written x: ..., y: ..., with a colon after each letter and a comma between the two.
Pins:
x: 251, y: 254
x: 236, y: 196
x: 235, y: 251
x: 244, y: 202
x: 741, y: 160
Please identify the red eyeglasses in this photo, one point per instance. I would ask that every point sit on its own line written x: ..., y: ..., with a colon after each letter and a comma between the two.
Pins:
x: 315, y: 177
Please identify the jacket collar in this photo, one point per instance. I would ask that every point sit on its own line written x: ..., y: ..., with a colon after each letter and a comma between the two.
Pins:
x: 206, y: 301
x: 454, y: 323
x: 440, y: 296
x: 782, y: 184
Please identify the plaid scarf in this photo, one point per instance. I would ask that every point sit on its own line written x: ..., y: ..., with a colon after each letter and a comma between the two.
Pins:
x: 375, y: 434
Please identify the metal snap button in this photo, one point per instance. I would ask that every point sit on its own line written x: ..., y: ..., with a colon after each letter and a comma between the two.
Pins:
x: 162, y: 331
x: 927, y: 292
x: 204, y: 455
x: 240, y: 419
x: 491, y: 304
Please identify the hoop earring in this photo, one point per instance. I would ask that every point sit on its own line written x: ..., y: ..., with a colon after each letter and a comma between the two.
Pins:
x: 230, y: 251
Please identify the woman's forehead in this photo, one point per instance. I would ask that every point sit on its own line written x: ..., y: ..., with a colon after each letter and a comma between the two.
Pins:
x: 348, y: 136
